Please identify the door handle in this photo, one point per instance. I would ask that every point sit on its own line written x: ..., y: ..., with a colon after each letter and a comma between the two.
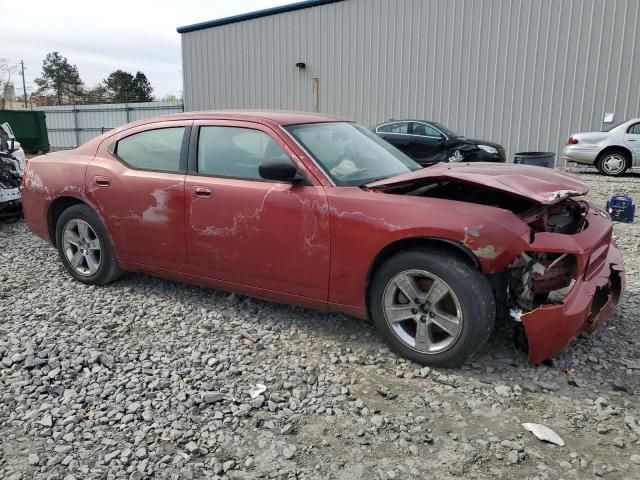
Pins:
x: 202, y: 192
x: 631, y: 139
x: 101, y: 181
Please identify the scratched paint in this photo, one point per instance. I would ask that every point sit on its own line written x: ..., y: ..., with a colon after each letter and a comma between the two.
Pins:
x: 488, y: 251
x: 364, y: 217
x: 157, y: 213
x: 33, y: 182
x: 471, y: 236
x: 240, y: 222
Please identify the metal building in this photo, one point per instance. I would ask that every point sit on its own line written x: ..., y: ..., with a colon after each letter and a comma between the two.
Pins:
x: 525, y: 73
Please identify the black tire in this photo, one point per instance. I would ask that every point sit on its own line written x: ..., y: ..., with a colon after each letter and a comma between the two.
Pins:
x: 108, y: 269
x: 474, y: 295
x: 602, y: 158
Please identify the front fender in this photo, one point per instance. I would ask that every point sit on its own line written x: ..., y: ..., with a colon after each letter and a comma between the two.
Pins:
x: 364, y: 223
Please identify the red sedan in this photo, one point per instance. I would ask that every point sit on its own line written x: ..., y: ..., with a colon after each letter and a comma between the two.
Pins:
x: 317, y: 211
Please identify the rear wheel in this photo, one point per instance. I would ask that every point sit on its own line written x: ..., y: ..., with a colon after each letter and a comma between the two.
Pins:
x: 613, y: 163
x: 84, y: 246
x: 432, y: 307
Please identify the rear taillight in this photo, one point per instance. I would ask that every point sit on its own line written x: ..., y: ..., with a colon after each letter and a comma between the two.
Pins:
x: 572, y: 141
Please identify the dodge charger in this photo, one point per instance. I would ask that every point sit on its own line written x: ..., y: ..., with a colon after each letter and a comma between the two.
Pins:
x: 317, y: 211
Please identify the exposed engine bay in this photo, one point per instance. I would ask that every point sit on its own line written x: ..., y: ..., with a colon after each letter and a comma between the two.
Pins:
x: 537, y: 278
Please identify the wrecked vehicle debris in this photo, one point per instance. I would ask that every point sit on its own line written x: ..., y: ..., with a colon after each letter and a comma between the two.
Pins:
x: 569, y: 275
x: 11, y: 168
x: 316, y: 211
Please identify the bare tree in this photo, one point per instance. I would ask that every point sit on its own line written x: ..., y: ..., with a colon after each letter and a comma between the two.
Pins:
x: 7, y: 68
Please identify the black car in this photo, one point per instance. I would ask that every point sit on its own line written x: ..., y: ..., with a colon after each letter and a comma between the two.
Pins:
x: 429, y: 142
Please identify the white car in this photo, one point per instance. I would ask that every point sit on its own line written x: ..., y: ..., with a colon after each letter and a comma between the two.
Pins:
x: 18, y: 153
x: 612, y: 152
x: 12, y: 164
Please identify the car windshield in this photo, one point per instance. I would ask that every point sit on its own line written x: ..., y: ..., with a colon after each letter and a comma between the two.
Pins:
x: 350, y: 154
x: 445, y: 130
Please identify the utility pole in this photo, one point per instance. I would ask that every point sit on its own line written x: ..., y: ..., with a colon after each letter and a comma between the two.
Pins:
x: 24, y: 85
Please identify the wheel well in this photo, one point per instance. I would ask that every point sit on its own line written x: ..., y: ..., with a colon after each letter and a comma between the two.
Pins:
x: 441, y: 244
x: 616, y: 148
x: 58, y: 206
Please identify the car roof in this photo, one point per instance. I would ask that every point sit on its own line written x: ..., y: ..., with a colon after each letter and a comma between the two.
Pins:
x: 278, y: 117
x: 396, y: 120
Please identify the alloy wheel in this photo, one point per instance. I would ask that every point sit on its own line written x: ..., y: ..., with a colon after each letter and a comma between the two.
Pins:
x: 423, y: 311
x: 81, y: 247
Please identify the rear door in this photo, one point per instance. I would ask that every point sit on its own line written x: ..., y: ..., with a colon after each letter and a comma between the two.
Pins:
x: 428, y: 146
x: 136, y: 180
x: 244, y: 230
x: 397, y: 134
x: 632, y: 140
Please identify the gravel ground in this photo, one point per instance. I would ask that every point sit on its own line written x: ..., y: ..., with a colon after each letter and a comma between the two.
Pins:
x: 149, y: 378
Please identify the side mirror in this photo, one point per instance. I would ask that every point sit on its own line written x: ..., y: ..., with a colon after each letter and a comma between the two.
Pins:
x: 12, y: 145
x: 279, y: 169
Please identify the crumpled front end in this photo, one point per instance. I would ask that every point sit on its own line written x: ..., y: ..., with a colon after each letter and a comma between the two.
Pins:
x: 569, y: 280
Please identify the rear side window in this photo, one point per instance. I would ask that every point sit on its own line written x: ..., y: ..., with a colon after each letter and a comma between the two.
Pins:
x: 235, y: 152
x: 401, y: 127
x: 153, y: 149
x: 634, y: 129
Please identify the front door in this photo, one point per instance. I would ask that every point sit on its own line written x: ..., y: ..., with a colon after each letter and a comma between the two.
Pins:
x: 136, y: 181
x: 247, y: 231
x: 428, y: 145
x: 632, y: 140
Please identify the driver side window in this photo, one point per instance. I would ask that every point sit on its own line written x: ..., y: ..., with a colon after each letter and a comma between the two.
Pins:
x: 424, y: 130
x: 235, y: 152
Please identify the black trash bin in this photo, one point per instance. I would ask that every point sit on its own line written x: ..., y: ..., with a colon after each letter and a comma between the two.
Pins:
x: 539, y: 159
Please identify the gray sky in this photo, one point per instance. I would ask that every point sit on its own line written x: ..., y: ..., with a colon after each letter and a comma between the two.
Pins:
x: 100, y: 37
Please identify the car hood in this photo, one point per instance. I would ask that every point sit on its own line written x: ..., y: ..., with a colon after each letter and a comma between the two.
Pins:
x: 542, y: 185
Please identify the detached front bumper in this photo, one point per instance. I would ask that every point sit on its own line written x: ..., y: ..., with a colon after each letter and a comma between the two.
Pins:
x: 591, y: 300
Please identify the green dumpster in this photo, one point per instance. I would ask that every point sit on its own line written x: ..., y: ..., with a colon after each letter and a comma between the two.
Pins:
x: 29, y: 128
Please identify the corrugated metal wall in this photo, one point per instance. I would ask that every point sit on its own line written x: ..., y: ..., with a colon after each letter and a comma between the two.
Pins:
x: 525, y: 73
x: 69, y: 126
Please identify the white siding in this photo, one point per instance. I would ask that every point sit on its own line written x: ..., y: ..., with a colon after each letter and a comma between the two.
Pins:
x: 525, y: 73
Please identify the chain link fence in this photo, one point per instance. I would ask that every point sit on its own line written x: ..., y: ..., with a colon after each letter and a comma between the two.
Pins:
x: 72, y: 125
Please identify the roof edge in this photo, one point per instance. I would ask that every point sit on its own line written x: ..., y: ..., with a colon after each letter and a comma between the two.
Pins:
x: 257, y: 14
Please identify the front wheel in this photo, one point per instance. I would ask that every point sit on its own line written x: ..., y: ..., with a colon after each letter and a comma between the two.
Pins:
x: 84, y: 246
x: 431, y: 307
x: 613, y: 163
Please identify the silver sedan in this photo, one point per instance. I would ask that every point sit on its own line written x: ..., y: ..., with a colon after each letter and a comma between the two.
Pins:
x: 612, y: 152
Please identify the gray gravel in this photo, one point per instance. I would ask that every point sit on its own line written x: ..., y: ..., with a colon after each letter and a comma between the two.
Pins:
x: 149, y: 378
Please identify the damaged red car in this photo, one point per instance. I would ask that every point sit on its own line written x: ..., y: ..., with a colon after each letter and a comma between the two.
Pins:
x: 317, y: 211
